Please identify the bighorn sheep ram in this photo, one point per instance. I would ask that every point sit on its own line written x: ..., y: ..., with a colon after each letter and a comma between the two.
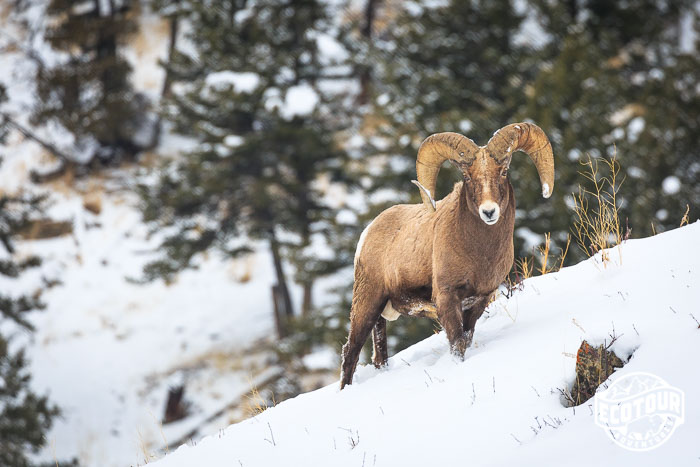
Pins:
x: 443, y: 260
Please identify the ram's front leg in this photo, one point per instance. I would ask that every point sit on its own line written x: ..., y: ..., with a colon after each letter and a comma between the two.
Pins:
x: 472, y: 309
x: 449, y: 311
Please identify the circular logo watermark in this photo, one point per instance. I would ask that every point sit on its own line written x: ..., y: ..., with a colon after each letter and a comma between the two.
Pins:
x: 639, y: 411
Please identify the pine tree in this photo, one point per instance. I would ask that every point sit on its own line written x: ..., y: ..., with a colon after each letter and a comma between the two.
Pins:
x: 265, y: 136
x: 87, y: 92
x: 24, y: 416
x: 446, y: 67
x: 611, y: 78
x: 615, y: 82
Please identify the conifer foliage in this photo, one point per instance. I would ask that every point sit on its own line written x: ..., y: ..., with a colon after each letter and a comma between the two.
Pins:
x: 601, y: 78
x: 25, y: 417
x: 251, y: 97
x: 87, y: 91
x: 616, y: 80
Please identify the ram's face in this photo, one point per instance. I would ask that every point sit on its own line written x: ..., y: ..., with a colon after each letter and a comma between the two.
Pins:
x: 486, y: 187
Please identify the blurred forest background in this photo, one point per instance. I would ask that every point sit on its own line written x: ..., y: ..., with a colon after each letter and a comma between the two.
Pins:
x: 284, y: 127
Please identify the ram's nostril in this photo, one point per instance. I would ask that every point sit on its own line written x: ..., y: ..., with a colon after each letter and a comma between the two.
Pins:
x: 489, y: 213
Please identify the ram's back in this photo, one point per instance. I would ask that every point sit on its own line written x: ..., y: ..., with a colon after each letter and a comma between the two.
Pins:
x: 396, y: 248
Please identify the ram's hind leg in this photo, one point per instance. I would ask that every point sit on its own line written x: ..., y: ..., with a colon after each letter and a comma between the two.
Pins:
x: 366, y: 309
x: 380, y: 354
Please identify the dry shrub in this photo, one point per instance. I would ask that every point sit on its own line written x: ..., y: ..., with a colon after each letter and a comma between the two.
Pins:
x: 257, y: 404
x: 685, y: 219
x: 547, y: 263
x: 524, y: 268
x: 597, y: 223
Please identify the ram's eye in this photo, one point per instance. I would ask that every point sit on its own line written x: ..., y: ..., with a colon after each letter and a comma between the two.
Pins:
x: 504, y: 172
x: 467, y: 178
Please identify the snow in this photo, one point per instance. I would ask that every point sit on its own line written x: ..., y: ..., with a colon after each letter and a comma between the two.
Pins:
x: 300, y: 100
x: 635, y: 127
x: 671, y: 185
x: 116, y: 338
x: 530, y: 32
x: 465, y: 126
x: 145, y: 51
x: 245, y: 82
x: 635, y: 172
x: 383, y: 99
x: 688, y: 35
x: 530, y: 238
x: 428, y: 408
x: 574, y: 154
x: 233, y: 141
x: 105, y: 349
x: 330, y: 50
x: 322, y: 359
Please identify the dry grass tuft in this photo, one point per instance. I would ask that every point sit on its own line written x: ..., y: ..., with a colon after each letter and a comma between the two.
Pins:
x: 524, y: 267
x: 257, y: 404
x: 148, y: 456
x: 597, y: 223
x: 685, y: 219
x: 159, y: 424
x: 545, y: 253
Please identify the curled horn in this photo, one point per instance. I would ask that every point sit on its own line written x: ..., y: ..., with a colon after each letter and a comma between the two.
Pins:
x: 531, y: 140
x: 435, y: 150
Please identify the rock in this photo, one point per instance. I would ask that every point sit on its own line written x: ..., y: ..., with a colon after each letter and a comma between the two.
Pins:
x: 93, y: 202
x: 593, y: 366
x: 175, y: 407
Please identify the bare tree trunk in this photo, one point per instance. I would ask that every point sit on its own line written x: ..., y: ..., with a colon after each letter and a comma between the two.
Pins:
x: 8, y: 120
x: 283, y: 301
x: 172, y: 44
x: 65, y: 163
x: 307, y: 301
x: 277, y: 306
x: 365, y: 71
x: 166, y: 90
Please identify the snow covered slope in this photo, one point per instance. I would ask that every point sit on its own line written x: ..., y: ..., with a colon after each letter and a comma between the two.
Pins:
x: 501, y: 406
x: 105, y: 349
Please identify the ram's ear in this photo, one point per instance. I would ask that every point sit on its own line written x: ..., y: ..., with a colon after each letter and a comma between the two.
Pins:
x: 425, y: 192
x: 455, y: 164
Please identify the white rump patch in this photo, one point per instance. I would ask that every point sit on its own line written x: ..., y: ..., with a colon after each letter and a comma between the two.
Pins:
x: 389, y: 313
x: 360, y: 243
x: 545, y: 190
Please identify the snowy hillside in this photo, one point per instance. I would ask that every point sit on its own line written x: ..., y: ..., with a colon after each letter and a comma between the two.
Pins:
x: 106, y: 349
x: 502, y: 405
